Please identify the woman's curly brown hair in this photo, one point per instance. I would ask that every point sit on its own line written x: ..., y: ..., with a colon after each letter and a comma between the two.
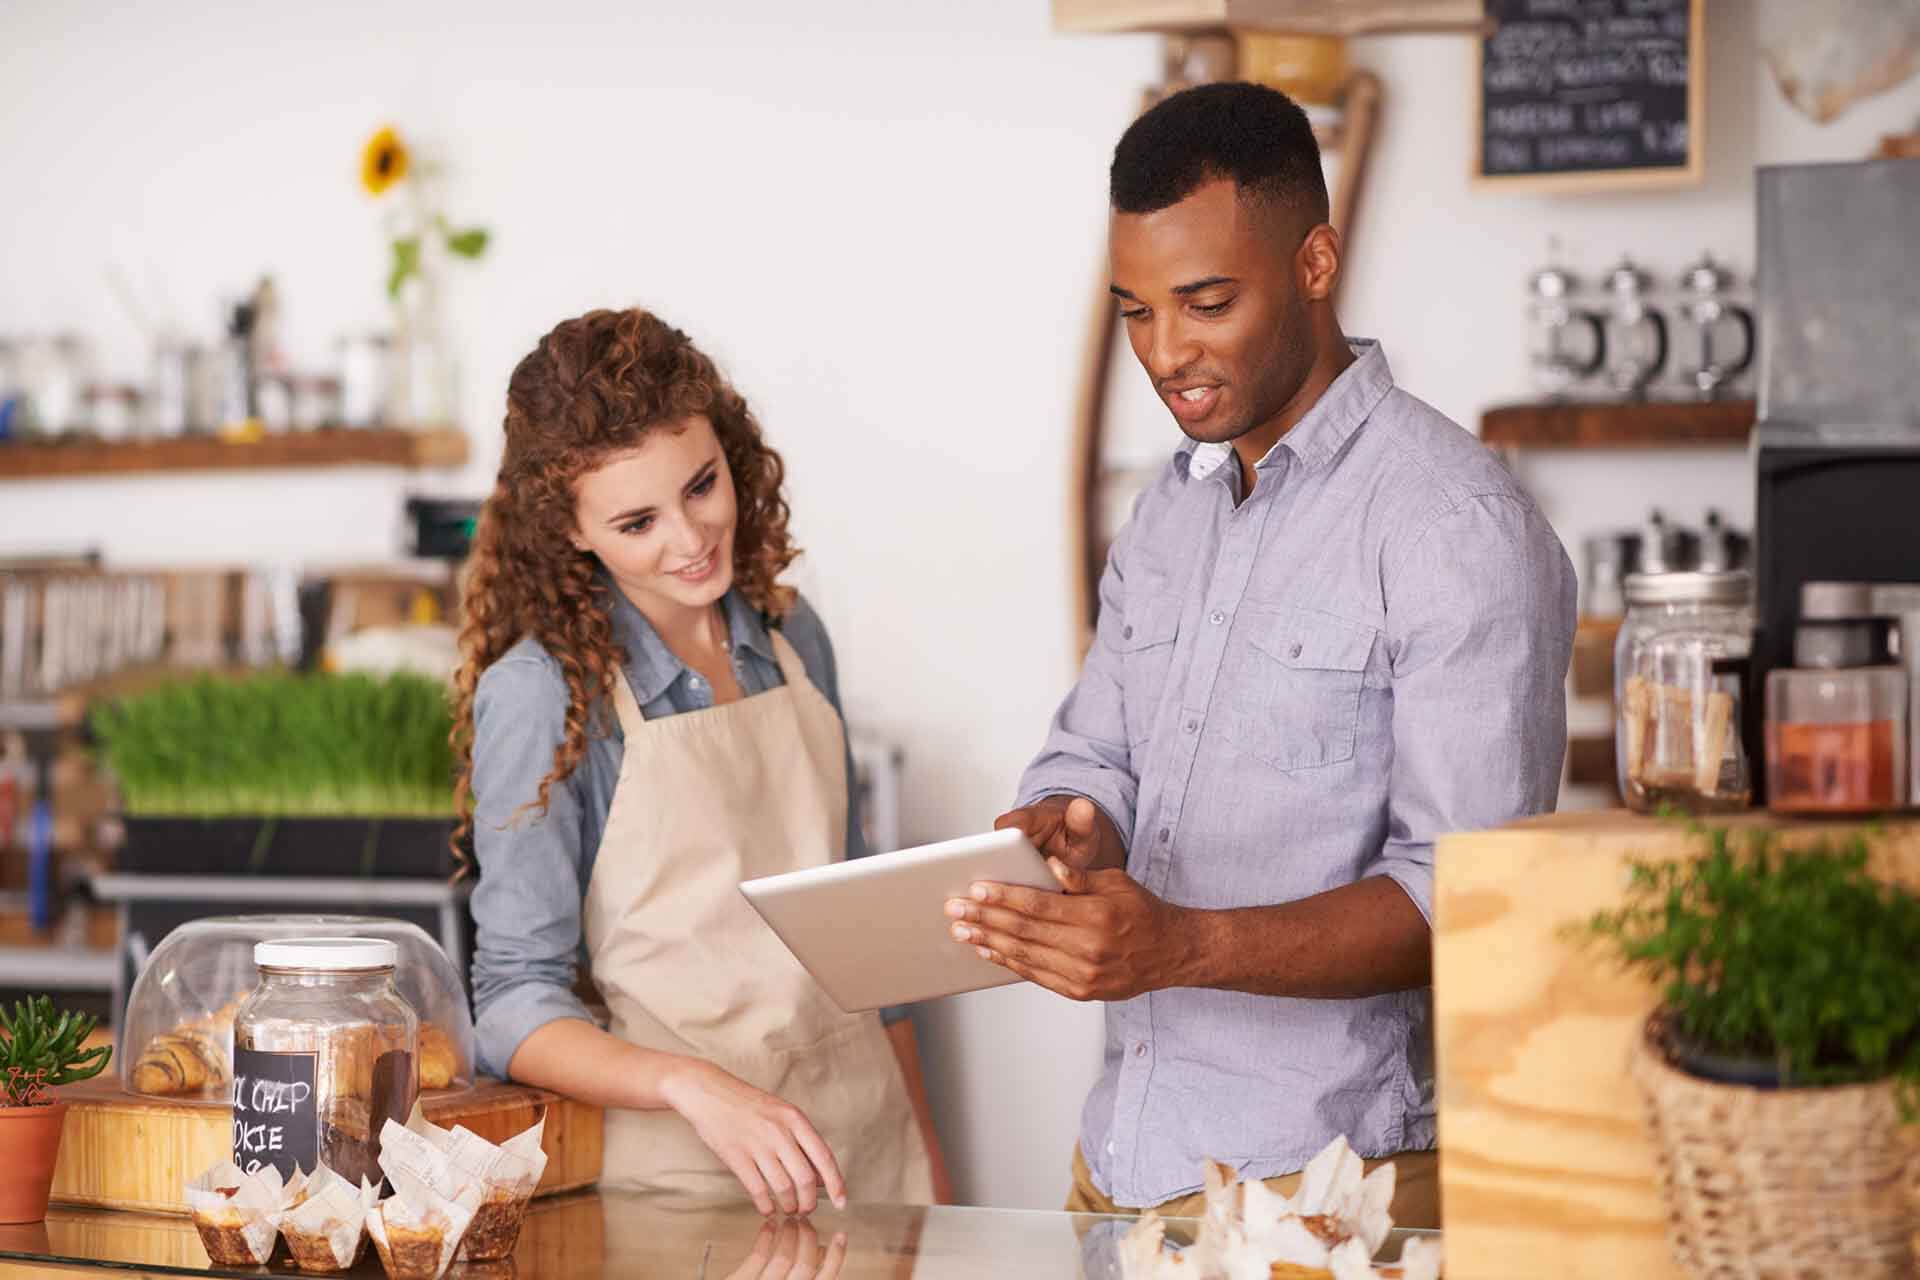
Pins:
x: 593, y: 388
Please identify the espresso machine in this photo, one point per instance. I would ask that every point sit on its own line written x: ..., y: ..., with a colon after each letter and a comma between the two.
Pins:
x: 1837, y: 443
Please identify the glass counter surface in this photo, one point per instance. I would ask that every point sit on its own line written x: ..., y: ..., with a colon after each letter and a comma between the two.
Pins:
x: 594, y: 1234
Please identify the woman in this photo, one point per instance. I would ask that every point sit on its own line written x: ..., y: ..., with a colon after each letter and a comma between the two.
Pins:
x: 646, y: 718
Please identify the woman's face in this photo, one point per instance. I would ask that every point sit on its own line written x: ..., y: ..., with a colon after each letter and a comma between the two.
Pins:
x: 661, y: 519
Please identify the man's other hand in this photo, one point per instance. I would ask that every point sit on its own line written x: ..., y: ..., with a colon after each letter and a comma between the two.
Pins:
x: 1070, y: 828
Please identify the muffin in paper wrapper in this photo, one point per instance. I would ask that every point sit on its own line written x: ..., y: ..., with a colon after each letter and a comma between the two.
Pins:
x: 416, y: 1238
x: 508, y: 1173
x: 327, y: 1230
x: 238, y: 1213
x: 419, y: 1228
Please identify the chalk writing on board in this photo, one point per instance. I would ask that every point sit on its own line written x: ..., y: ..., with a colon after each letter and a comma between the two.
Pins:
x: 275, y: 1113
x: 1568, y: 86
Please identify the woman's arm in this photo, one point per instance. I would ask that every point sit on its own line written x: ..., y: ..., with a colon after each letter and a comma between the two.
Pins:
x: 906, y: 1048
x: 772, y: 1148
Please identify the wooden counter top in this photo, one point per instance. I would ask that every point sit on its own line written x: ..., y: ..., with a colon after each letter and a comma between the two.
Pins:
x: 1546, y: 1165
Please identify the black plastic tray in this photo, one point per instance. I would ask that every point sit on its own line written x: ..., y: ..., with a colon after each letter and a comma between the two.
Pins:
x: 414, y: 848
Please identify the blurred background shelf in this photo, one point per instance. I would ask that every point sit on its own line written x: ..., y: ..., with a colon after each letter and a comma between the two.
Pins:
x: 1647, y: 424
x: 327, y: 447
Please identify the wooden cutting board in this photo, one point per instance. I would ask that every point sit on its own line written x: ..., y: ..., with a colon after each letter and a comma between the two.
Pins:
x: 126, y: 1151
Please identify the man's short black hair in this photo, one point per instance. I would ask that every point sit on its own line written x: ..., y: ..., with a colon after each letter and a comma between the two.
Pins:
x: 1258, y: 137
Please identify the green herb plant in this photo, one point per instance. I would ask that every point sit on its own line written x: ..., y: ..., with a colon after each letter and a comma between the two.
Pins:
x: 278, y: 744
x: 39, y: 1051
x: 1800, y: 957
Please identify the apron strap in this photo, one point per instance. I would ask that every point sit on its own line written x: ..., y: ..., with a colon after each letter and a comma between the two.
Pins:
x: 625, y: 705
x: 791, y: 668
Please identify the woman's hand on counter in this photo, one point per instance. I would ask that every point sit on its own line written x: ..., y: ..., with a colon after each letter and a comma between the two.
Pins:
x: 781, y: 1160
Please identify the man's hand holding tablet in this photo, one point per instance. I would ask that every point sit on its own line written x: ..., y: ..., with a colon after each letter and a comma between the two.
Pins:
x: 1105, y: 938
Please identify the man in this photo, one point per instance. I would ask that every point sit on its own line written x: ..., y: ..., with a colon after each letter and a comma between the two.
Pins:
x: 1333, y: 630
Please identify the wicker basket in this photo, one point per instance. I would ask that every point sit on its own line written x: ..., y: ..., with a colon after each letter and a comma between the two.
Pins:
x: 1777, y: 1184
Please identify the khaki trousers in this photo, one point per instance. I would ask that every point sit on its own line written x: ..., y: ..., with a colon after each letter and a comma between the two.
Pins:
x: 1416, y: 1191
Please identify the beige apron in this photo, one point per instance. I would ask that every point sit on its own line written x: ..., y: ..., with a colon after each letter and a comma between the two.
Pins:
x: 705, y: 800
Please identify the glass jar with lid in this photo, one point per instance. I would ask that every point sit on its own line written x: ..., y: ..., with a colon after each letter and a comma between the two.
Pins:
x: 1679, y: 674
x: 324, y: 1054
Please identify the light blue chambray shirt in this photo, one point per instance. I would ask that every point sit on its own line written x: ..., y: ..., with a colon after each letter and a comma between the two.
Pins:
x: 1286, y: 696
x: 534, y: 869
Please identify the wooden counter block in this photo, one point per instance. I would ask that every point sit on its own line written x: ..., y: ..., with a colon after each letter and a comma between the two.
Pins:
x: 1547, y: 1168
x: 126, y: 1151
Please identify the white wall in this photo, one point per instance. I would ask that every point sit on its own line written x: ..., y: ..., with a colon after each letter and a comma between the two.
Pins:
x: 882, y: 218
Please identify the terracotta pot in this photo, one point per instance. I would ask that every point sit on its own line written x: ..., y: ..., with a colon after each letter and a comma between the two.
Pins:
x: 29, y: 1142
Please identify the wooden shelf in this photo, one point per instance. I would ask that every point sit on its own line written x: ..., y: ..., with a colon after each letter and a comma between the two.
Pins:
x: 1648, y: 424
x: 327, y: 447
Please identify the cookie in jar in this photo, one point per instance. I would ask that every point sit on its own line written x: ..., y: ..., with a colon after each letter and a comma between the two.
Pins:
x: 325, y: 1051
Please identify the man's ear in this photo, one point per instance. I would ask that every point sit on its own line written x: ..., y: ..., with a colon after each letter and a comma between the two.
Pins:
x: 1318, y: 263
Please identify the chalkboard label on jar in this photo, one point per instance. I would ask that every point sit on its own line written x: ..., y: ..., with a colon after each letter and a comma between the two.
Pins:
x: 276, y: 1118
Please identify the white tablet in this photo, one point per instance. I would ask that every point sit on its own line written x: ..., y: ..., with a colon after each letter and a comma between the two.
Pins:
x: 875, y: 932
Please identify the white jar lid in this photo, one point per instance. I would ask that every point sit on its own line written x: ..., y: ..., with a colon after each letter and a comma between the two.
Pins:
x: 326, y: 953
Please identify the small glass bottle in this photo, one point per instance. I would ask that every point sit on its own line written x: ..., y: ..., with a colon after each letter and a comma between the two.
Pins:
x: 1679, y: 670
x: 325, y: 1052
x: 1837, y: 721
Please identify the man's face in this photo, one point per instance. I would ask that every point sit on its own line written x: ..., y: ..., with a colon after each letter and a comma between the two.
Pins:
x: 1211, y: 299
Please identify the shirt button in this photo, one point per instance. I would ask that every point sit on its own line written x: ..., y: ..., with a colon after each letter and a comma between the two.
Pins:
x: 1216, y: 617
x: 1109, y: 1148
x: 1126, y: 633
x: 1294, y: 652
x: 1192, y: 725
x: 1164, y: 833
x: 1140, y: 1049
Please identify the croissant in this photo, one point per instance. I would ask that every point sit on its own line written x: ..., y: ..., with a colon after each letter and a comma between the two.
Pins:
x: 175, y: 1063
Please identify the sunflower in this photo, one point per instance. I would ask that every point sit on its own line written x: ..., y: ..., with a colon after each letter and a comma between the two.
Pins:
x: 383, y: 162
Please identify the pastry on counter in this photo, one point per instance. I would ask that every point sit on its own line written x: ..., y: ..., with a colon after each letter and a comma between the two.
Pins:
x: 439, y: 1064
x: 1328, y: 1230
x: 192, y: 1057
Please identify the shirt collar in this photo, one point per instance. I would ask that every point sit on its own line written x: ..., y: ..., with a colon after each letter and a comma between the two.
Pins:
x: 651, y: 666
x: 1339, y: 412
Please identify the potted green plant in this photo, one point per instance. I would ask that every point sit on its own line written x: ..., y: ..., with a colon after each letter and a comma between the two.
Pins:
x: 276, y: 773
x: 38, y: 1053
x: 1784, y: 1055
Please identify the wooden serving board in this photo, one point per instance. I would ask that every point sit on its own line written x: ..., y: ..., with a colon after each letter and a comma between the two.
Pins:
x: 127, y: 1151
x: 1546, y: 1165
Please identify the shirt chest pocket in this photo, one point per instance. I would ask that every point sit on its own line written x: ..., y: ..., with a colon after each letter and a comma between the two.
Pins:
x: 1293, y: 687
x: 1148, y: 630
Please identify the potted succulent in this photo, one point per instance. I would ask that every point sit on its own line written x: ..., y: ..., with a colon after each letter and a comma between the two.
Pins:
x: 1784, y: 1056
x: 38, y: 1053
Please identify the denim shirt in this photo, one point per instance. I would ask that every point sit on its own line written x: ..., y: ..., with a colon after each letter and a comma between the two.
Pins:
x: 1286, y: 695
x: 534, y: 868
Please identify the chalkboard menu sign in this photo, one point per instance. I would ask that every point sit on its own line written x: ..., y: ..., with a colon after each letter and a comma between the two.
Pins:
x: 276, y: 1117
x: 1592, y: 93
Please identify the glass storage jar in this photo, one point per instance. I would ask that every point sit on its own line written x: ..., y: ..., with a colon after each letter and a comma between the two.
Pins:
x: 1837, y: 719
x: 1679, y: 670
x: 323, y: 1056
x: 176, y: 1038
